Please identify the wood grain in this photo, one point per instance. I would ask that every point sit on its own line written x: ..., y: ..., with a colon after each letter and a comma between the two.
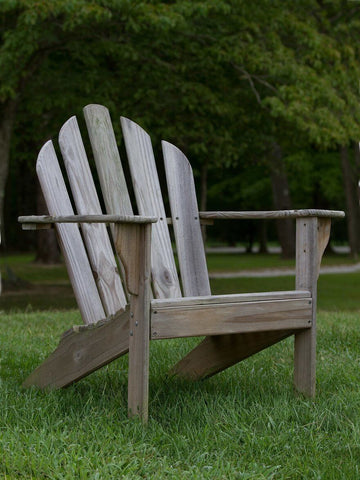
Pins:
x: 219, y: 319
x: 138, y: 380
x: 185, y: 218
x: 232, y: 298
x: 95, y: 235
x: 149, y: 201
x: 306, y: 278
x: 81, y: 351
x: 107, y: 219
x: 107, y: 160
x: 58, y: 203
x: 273, y: 214
x: 324, y: 227
x: 216, y: 353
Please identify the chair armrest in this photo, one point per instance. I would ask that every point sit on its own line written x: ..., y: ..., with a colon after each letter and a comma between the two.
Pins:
x: 272, y: 214
x: 34, y: 222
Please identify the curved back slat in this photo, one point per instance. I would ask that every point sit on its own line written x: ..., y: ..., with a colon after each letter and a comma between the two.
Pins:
x: 185, y: 218
x: 87, y: 203
x: 149, y: 201
x: 58, y: 203
x: 107, y: 159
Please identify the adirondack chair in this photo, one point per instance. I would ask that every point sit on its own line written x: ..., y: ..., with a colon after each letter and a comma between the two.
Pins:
x: 121, y: 318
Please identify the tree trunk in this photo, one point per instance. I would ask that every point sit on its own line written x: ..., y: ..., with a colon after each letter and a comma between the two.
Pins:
x: 7, y: 112
x: 47, y: 250
x: 350, y: 181
x: 282, y: 201
x: 262, y: 232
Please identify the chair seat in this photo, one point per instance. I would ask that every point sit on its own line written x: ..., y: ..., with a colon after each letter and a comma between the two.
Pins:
x: 225, y: 314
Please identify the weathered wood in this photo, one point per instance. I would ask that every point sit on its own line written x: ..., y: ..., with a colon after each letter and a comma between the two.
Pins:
x: 237, y: 325
x: 232, y: 298
x: 219, y: 319
x: 149, y: 201
x: 138, y: 381
x: 216, y: 353
x: 95, y: 235
x: 273, y: 214
x: 307, y: 254
x: 58, y: 203
x: 107, y: 219
x: 185, y: 217
x: 107, y: 160
x: 83, y: 350
x: 128, y: 246
x: 324, y: 227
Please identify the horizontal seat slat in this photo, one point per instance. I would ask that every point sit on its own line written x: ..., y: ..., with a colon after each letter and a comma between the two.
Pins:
x: 232, y: 298
x: 225, y: 318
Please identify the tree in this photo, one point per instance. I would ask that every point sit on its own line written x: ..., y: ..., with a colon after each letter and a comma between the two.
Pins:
x: 224, y: 80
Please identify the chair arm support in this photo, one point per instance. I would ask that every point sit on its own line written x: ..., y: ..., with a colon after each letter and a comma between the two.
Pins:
x: 34, y: 222
x: 303, y: 213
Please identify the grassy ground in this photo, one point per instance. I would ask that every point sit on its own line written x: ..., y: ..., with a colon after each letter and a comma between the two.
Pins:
x: 233, y: 262
x: 49, y: 287
x: 245, y: 423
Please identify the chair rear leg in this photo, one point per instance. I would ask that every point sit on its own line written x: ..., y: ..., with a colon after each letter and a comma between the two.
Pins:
x: 216, y: 353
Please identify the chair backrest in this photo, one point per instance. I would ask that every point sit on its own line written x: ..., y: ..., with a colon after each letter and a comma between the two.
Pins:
x: 92, y: 267
x: 82, y: 273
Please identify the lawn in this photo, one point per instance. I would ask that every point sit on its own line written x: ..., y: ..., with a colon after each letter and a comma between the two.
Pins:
x: 245, y: 423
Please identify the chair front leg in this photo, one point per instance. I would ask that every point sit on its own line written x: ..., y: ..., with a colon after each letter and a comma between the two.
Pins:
x: 312, y: 236
x: 133, y: 245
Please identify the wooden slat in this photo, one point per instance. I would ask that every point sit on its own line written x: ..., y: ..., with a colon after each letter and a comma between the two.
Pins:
x: 307, y: 261
x: 260, y: 316
x: 107, y: 159
x: 185, y: 217
x: 107, y: 219
x: 82, y: 351
x: 58, y: 203
x: 273, y: 214
x: 95, y: 235
x: 149, y: 201
x: 215, y: 354
x: 233, y: 298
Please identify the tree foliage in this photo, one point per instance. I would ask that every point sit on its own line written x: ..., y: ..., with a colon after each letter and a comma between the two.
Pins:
x: 225, y: 80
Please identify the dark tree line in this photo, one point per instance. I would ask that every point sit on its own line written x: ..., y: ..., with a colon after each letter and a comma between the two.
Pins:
x: 263, y: 97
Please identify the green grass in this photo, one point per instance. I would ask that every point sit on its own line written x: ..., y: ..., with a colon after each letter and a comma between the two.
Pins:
x: 23, y: 265
x: 336, y: 292
x: 229, y: 262
x: 50, y: 289
x: 245, y: 423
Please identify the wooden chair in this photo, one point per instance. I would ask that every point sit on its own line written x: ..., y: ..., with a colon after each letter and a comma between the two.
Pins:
x: 152, y: 304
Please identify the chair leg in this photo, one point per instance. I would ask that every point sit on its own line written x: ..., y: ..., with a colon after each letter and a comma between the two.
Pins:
x: 138, y: 275
x: 138, y: 380
x: 218, y: 352
x: 312, y: 235
x: 81, y: 351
